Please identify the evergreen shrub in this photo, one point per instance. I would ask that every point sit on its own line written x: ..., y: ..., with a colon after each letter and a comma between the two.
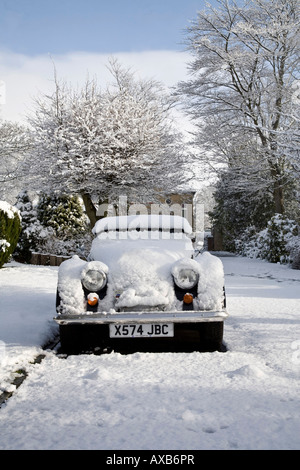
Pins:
x: 276, y: 243
x: 62, y: 213
x: 33, y: 233
x: 10, y: 229
x: 55, y: 224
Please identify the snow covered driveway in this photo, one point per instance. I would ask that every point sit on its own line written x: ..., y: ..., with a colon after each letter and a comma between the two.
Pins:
x: 246, y: 398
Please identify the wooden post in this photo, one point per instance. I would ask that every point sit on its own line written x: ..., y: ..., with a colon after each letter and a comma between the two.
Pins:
x: 44, y: 259
x: 35, y: 259
x: 53, y: 260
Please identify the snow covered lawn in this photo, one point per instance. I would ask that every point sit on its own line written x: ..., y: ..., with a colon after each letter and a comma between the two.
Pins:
x: 246, y: 398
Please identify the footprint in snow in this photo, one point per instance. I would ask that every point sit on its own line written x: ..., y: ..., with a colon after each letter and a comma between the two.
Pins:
x: 248, y: 371
x: 93, y: 375
x: 194, y: 422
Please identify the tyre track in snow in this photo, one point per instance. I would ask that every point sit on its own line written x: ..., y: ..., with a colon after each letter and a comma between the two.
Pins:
x: 22, y: 373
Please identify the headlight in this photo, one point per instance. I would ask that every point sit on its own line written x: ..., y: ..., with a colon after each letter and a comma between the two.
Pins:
x: 94, y: 276
x: 94, y: 280
x: 186, y: 278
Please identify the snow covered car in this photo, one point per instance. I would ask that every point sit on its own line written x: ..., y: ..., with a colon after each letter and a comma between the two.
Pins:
x: 141, y: 289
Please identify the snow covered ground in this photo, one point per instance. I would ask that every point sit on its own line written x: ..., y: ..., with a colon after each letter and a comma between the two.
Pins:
x: 246, y: 398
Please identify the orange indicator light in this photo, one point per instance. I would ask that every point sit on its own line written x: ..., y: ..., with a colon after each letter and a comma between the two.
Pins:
x: 188, y: 298
x: 92, y: 299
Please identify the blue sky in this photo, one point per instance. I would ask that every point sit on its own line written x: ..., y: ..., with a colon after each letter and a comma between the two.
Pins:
x: 80, y: 36
x: 104, y: 26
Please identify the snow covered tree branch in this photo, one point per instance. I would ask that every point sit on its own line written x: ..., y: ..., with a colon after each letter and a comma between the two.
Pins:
x: 246, y: 62
x: 105, y: 143
x: 15, y: 143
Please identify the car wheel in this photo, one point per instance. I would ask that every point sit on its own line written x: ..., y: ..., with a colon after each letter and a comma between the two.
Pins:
x: 213, y: 336
x: 70, y: 339
x: 80, y: 338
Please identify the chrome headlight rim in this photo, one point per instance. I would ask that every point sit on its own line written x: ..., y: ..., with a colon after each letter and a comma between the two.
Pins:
x: 186, y: 278
x: 94, y: 280
x: 94, y: 276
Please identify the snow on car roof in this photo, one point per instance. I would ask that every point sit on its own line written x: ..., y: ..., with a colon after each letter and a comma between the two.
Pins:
x: 143, y: 222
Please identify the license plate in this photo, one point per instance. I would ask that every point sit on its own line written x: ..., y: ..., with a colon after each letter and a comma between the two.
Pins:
x: 141, y: 330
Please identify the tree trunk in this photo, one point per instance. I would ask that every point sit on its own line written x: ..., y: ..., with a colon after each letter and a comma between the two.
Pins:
x: 90, y: 209
x: 278, y: 199
x: 278, y: 193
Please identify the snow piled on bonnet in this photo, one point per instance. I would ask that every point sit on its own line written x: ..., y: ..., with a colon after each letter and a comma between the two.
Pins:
x: 140, y: 274
x: 140, y: 270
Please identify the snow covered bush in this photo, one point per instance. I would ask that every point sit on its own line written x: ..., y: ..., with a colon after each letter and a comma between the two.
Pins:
x: 55, y: 225
x: 294, y: 248
x: 33, y: 233
x: 278, y: 242
x: 64, y: 214
x: 239, y: 202
x: 67, y: 225
x: 10, y: 228
x: 247, y: 244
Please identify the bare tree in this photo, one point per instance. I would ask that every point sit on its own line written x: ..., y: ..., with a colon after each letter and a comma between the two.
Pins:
x: 289, y: 142
x: 15, y: 143
x: 246, y: 62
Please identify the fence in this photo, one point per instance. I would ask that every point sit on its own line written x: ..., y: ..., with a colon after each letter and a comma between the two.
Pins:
x: 45, y: 259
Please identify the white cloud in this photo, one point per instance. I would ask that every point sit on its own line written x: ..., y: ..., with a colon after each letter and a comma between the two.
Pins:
x: 25, y: 77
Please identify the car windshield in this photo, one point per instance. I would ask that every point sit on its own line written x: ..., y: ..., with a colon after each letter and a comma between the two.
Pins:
x: 143, y: 223
x: 143, y: 236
